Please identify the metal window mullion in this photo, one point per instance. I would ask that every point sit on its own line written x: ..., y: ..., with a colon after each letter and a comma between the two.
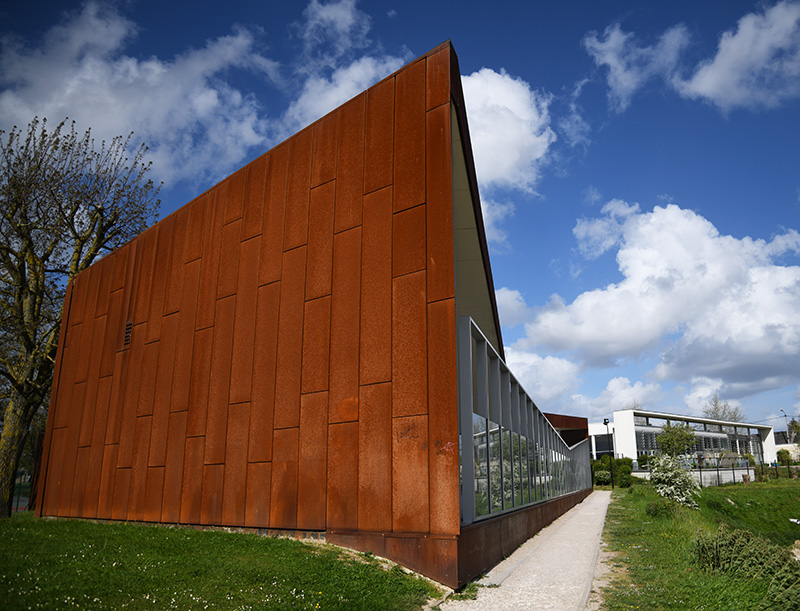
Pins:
x: 465, y: 383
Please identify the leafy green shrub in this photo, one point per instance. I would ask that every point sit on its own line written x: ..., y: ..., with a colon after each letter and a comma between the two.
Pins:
x: 750, y: 458
x: 622, y: 475
x: 784, y: 456
x: 661, y: 508
x: 602, y: 478
x: 747, y: 556
x: 672, y: 481
x: 643, y: 461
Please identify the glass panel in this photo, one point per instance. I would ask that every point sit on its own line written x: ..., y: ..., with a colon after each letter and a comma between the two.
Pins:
x: 517, y: 457
x: 481, y: 465
x: 523, y: 448
x: 508, y: 471
x: 495, y: 471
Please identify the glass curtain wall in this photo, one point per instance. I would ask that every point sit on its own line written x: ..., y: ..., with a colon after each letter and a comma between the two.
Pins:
x: 514, y: 457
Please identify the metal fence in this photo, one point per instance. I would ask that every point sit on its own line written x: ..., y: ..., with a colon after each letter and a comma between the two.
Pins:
x: 511, y: 456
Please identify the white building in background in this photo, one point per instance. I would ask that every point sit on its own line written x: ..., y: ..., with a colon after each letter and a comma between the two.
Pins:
x: 632, y: 432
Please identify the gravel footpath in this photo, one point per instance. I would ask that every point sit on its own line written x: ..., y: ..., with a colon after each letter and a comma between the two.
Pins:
x: 552, y: 570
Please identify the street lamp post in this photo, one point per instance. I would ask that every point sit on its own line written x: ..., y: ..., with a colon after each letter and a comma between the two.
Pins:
x: 786, y: 420
x: 611, y: 458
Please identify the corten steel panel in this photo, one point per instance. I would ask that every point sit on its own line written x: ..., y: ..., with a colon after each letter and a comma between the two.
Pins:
x: 376, y: 288
x: 283, y: 492
x: 410, y: 500
x: 316, y: 345
x: 62, y: 413
x: 71, y: 448
x: 53, y: 485
x: 148, y: 379
x: 174, y: 289
x: 145, y: 266
x: 198, y: 387
x: 409, y: 346
x: 141, y: 447
x: 113, y: 323
x: 209, y: 269
x: 170, y: 510
x: 92, y: 380
x: 182, y: 367
x: 311, y: 469
x: 441, y: 270
x: 323, y: 166
x: 126, y: 421
x: 79, y: 285
x: 342, y: 501
x: 154, y: 493
x: 118, y: 384
x: 106, y: 265
x: 234, y: 196
x: 345, y: 314
x: 375, y: 458
x: 88, y: 327
x: 192, y: 484
x: 219, y: 385
x: 439, y: 559
x: 405, y: 549
x: 165, y: 380
x: 374, y: 543
x: 298, y: 188
x: 408, y: 241
x: 258, y: 488
x: 290, y: 341
x: 409, y: 137
x: 320, y: 241
x: 211, y: 505
x: 122, y: 487
x: 98, y: 445
x: 443, y: 417
x: 108, y: 474
x: 379, y: 136
x: 233, y: 500
x: 127, y: 257
x: 264, y: 363
x: 77, y: 503
x: 245, y: 325
x: 229, y: 259
x: 195, y: 228
x: 274, y: 212
x: 158, y: 288
x: 350, y: 164
x: 253, y: 211
x: 438, y: 77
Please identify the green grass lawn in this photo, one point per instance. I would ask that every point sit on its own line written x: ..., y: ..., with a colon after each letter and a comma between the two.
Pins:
x: 69, y: 564
x: 655, y: 553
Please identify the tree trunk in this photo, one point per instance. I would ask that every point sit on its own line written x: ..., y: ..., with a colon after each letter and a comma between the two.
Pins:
x: 18, y: 417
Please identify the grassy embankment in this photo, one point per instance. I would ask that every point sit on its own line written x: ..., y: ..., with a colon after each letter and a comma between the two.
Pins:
x: 655, y: 564
x: 68, y: 564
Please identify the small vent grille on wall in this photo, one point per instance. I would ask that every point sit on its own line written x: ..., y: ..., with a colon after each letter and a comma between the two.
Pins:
x: 128, y: 330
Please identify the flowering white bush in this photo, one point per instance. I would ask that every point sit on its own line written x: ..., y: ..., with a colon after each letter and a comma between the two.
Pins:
x: 673, y: 481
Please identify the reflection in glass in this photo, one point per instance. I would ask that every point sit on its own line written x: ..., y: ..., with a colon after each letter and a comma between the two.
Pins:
x: 481, y: 465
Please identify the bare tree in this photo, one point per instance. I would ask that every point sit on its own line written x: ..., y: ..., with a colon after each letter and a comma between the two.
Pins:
x: 716, y: 409
x: 64, y: 203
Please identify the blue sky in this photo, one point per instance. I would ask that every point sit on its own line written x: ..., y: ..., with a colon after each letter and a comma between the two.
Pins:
x: 638, y: 163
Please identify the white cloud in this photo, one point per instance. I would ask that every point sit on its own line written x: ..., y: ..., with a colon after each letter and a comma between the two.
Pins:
x: 494, y: 213
x: 630, y: 65
x: 618, y: 394
x: 331, y: 30
x: 756, y: 66
x: 545, y: 379
x: 716, y: 306
x: 511, y: 307
x: 191, y: 119
x: 510, y: 129
x: 596, y: 236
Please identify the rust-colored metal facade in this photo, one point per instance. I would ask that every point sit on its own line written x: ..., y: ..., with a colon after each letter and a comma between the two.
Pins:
x: 280, y: 353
